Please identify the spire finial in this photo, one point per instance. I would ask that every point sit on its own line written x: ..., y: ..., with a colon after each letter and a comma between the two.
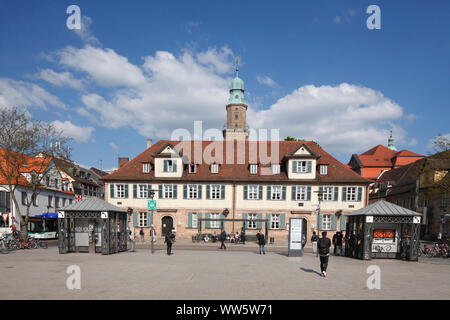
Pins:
x: 237, y: 67
x: 391, y: 143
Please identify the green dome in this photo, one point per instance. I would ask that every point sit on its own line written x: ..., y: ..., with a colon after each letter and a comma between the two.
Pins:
x: 237, y: 84
x: 237, y: 90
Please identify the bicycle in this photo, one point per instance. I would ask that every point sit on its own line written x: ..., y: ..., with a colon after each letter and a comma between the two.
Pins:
x: 39, y: 244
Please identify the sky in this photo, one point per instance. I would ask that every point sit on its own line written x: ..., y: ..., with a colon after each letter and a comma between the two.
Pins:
x: 312, y: 69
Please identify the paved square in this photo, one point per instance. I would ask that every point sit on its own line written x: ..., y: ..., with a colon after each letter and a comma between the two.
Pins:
x: 201, y: 274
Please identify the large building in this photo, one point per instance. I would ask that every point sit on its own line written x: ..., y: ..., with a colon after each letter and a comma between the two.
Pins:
x: 234, y: 178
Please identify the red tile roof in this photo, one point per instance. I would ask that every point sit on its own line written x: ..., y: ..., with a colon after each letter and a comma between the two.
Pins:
x: 337, y: 171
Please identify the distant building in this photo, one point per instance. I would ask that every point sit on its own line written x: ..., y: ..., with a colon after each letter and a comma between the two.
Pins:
x: 373, y: 162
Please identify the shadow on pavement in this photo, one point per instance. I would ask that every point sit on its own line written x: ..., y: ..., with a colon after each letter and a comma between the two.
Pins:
x: 310, y: 271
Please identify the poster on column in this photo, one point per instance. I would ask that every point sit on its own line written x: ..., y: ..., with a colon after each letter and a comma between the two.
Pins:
x: 297, y: 229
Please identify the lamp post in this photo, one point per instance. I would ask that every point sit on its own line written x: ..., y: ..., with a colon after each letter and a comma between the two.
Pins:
x: 319, y: 197
x: 151, y: 194
x: 225, y: 214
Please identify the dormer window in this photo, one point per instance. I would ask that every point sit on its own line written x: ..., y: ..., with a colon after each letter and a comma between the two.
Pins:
x: 324, y: 169
x: 253, y: 169
x: 170, y: 166
x: 192, y: 168
x: 145, y: 167
x: 214, y: 168
x: 275, y: 168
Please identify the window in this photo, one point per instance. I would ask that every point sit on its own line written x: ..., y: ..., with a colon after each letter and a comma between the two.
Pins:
x: 324, y: 169
x: 145, y: 167
x: 275, y: 221
x: 57, y: 202
x: 56, y: 183
x: 34, y: 199
x: 326, y: 222
x: 47, y: 181
x: 70, y: 201
x: 192, y: 168
x: 169, y: 166
x: 5, y: 202
x: 275, y: 193
x: 301, y: 167
x: 275, y: 168
x: 253, y: 169
x: 143, y: 191
x: 214, y: 168
x: 63, y: 202
x: 168, y: 191
x: 216, y: 191
x: 351, y: 194
x: 120, y: 191
x: 50, y: 199
x: 251, y: 222
x: 301, y: 193
x: 328, y: 194
x: 192, y: 191
x: 253, y: 192
x: 142, y: 219
x: 194, y: 220
x: 24, y: 198
x: 214, y: 224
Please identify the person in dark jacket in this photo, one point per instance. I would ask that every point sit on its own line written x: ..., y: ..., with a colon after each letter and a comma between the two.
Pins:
x: 324, y: 245
x: 334, y: 242
x: 243, y: 236
x: 339, y: 240
x: 223, y: 237
x: 314, y: 240
x: 261, y: 241
x: 169, y: 240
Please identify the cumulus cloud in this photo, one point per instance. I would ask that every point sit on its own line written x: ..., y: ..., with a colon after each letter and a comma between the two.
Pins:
x: 85, y: 32
x: 59, y: 79
x: 24, y: 94
x: 266, y: 80
x: 69, y: 130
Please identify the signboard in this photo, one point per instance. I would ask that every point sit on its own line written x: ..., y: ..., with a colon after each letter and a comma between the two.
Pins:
x: 151, y: 204
x: 297, y: 234
x: 5, y: 217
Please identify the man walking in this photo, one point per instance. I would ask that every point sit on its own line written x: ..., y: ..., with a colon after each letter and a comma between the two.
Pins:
x: 243, y: 236
x: 334, y: 243
x: 314, y: 240
x: 169, y: 240
x: 324, y: 245
x: 223, y: 237
x: 261, y: 241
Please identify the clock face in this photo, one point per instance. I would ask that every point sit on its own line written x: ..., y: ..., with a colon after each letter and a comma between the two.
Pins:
x: 236, y: 96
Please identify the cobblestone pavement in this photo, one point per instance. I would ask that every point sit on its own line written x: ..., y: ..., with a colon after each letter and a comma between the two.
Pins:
x: 215, y: 274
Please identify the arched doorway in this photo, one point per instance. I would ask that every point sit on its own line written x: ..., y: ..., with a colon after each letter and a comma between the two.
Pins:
x: 166, y: 225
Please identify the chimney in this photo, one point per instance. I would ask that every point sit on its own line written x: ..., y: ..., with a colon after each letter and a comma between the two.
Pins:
x: 122, y: 161
x: 149, y: 143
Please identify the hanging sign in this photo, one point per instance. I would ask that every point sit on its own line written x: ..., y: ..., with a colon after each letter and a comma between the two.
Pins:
x: 151, y: 204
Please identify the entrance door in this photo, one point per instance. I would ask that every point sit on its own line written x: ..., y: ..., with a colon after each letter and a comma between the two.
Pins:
x: 167, y: 225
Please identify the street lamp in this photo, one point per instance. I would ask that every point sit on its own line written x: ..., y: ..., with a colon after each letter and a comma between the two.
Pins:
x: 319, y: 197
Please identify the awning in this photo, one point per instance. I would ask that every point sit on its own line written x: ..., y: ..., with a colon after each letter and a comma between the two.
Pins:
x: 48, y: 215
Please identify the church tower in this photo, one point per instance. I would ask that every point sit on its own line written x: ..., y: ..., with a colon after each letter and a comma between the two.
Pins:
x: 236, y: 111
x: 391, y: 143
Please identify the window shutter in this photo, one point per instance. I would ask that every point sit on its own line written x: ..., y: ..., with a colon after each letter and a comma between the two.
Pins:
x: 321, y: 191
x: 175, y: 191
x: 343, y: 222
x: 208, y: 191
x: 149, y: 218
x: 160, y: 191
x: 282, y: 221
x: 268, y: 192
x: 294, y: 189
x: 245, y: 192
x: 200, y: 187
x: 244, y: 216
x: 134, y: 190
x: 221, y: 216
x: 126, y: 191
x: 111, y: 190
x: 259, y: 223
x: 199, y: 216
x: 149, y: 189
x: 359, y: 193
x: 334, y: 222
x: 268, y: 220
x: 165, y: 165
x: 319, y: 221
x: 283, y: 194
x: 184, y: 191
x: 308, y: 193
x: 309, y: 166
x: 189, y: 219
x: 344, y: 193
x: 135, y: 219
x: 222, y: 192
x: 174, y: 165
x: 260, y: 193
x: 294, y: 166
x: 336, y: 194
x: 207, y: 223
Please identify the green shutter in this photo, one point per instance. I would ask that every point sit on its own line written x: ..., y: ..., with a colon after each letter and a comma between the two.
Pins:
x: 268, y: 220
x: 189, y: 219
x: 283, y: 192
x: 260, y: 192
x: 208, y: 191
x: 245, y: 192
x: 207, y: 223
x: 309, y: 166
x: 294, y: 166
x: 175, y: 191
x: 293, y: 191
x: 336, y: 193
x: 199, y: 216
x: 334, y: 222
x: 160, y: 191
x: 135, y: 219
x: 200, y: 187
x: 165, y: 165
x: 308, y: 193
x: 359, y: 193
x: 244, y: 216
x: 222, y: 192
x: 135, y: 191
x: 149, y: 218
x: 268, y: 192
x: 126, y: 191
x: 343, y: 222
x: 283, y: 221
x: 344, y: 194
x: 174, y: 165
x: 185, y: 191
x: 259, y: 223
x: 320, y: 191
x: 111, y: 190
x: 319, y: 221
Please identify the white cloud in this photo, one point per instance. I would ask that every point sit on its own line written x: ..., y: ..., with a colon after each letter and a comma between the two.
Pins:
x: 59, y: 79
x: 218, y: 60
x: 79, y: 134
x: 337, y: 19
x: 85, y: 32
x: 24, y: 94
x: 114, y: 146
x: 266, y: 80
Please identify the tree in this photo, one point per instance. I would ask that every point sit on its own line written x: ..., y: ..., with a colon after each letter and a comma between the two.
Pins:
x: 441, y: 143
x: 26, y: 148
x: 289, y: 138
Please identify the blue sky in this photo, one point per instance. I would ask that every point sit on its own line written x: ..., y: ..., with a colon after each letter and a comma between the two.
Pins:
x: 312, y: 69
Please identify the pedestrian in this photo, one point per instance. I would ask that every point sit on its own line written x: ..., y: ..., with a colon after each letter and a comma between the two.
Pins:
x: 344, y: 242
x: 169, y: 240
x: 223, y: 237
x: 261, y: 241
x: 141, y: 233
x: 314, y: 240
x: 339, y: 239
x: 243, y: 236
x: 131, y: 238
x: 236, y: 238
x: 174, y: 234
x: 324, y: 245
x: 334, y: 243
